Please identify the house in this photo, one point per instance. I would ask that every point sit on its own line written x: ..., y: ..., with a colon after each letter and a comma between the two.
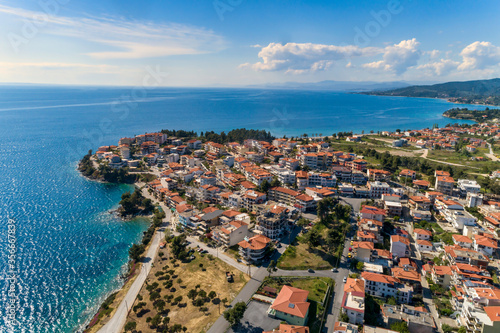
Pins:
x: 421, y: 184
x: 442, y: 275
x: 485, y: 245
x: 284, y: 328
x: 462, y: 241
x: 353, y: 302
x: 291, y: 305
x: 409, y: 276
x: 424, y: 245
x: 253, y: 249
x: 422, y: 234
x: 407, y: 174
x: 373, y: 213
x: 400, y: 246
x: 363, y: 250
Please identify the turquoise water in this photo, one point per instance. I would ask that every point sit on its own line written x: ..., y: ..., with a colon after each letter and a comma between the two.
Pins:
x: 70, y: 250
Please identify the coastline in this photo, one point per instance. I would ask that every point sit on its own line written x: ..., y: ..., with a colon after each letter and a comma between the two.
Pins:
x: 130, y: 271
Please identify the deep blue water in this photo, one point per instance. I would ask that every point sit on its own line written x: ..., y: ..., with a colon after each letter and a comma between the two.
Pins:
x: 70, y: 250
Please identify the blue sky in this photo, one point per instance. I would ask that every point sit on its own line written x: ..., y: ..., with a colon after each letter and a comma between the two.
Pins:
x: 240, y: 42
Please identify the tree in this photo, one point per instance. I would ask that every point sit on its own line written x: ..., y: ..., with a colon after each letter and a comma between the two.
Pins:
x: 313, y: 237
x: 212, y: 294
x: 235, y: 314
x: 400, y: 327
x: 302, y: 222
x: 136, y: 251
x: 272, y: 267
x: 462, y: 329
x: 179, y: 247
x: 360, y: 265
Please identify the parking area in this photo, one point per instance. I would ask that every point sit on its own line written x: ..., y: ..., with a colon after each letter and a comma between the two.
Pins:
x: 256, y: 320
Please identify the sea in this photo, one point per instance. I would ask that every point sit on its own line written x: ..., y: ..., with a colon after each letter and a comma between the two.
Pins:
x: 62, y: 252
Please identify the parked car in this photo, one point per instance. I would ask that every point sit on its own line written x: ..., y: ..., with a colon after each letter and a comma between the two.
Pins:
x: 345, y: 279
x: 335, y: 270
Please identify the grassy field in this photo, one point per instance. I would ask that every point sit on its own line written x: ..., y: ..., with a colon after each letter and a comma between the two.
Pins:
x: 170, y: 281
x: 300, y: 256
x: 317, y: 288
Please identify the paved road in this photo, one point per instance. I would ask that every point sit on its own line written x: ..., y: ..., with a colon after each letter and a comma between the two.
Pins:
x: 115, y: 325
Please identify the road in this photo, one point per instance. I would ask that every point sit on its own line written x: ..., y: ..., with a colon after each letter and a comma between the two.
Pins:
x: 117, y: 322
x: 491, y: 155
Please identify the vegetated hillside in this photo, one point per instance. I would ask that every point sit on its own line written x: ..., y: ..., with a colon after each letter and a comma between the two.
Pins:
x: 469, y: 92
x: 476, y: 115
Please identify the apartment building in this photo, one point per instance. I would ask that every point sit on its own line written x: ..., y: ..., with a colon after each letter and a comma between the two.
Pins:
x: 380, y: 285
x: 444, y: 184
x: 377, y: 189
x: 353, y: 301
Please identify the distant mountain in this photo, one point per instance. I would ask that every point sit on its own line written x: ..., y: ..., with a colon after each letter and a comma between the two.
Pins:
x: 468, y: 92
x: 351, y: 86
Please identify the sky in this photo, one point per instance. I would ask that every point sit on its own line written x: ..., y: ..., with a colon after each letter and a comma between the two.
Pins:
x: 239, y: 42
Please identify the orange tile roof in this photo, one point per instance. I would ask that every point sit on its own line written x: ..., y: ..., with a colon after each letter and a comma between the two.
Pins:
x: 378, y: 277
x: 462, y: 239
x: 354, y: 285
x: 397, y: 238
x: 292, y: 301
x: 493, y: 312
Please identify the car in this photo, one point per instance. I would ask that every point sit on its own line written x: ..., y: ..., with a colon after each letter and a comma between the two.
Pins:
x: 345, y: 279
x: 335, y: 270
x: 310, y: 271
x: 352, y: 242
x: 349, y: 255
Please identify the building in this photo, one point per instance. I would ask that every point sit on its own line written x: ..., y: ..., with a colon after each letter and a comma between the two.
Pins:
x: 417, y: 319
x: 485, y: 245
x: 231, y: 233
x: 291, y: 305
x: 353, y: 302
x: 253, y: 249
x: 442, y: 275
x: 377, y: 189
x: 373, y: 213
x: 467, y: 186
x: 383, y: 286
x: 284, y: 328
x: 444, y: 184
x: 272, y: 222
x: 400, y: 246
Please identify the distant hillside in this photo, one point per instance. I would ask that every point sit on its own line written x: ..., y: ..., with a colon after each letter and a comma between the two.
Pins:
x: 468, y: 92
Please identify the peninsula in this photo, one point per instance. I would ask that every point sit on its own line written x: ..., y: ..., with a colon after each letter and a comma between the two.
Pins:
x: 312, y: 216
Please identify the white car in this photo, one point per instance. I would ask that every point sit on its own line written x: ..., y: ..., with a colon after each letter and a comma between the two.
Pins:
x: 345, y: 279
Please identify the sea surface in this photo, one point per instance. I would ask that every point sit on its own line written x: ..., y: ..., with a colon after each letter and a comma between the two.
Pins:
x: 68, y: 250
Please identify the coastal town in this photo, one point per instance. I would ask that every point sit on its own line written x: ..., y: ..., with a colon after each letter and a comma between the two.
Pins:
x: 374, y: 233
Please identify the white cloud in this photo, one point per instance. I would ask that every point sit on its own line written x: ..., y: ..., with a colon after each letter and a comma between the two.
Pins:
x: 398, y: 58
x: 305, y: 57
x: 441, y: 67
x: 479, y: 55
x: 127, y: 39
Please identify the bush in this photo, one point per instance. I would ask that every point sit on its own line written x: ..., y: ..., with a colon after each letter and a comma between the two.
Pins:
x: 131, y: 325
